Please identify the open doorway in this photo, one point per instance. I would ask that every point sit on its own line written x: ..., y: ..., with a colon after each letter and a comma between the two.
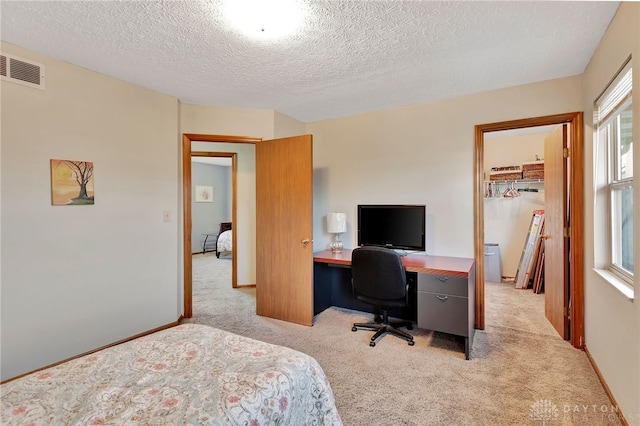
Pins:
x: 266, y: 171
x: 573, y: 232
x: 514, y: 200
x: 188, y: 142
x: 511, y: 194
x: 211, y: 213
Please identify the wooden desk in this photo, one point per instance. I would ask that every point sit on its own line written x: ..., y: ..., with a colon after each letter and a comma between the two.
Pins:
x: 452, y: 266
x: 441, y: 291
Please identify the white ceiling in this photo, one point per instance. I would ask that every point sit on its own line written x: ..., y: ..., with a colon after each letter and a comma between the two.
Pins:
x: 350, y: 57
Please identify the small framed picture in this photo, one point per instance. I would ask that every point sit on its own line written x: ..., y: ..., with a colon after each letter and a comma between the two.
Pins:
x: 204, y: 194
x: 71, y: 183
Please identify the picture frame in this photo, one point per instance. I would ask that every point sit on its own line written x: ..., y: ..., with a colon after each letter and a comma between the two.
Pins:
x: 204, y: 194
x: 72, y: 183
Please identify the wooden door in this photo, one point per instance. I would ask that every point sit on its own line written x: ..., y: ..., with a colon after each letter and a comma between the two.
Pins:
x: 284, y: 251
x: 556, y: 276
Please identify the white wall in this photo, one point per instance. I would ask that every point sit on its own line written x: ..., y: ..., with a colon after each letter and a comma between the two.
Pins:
x: 75, y: 278
x: 612, y: 321
x: 507, y: 220
x: 421, y: 154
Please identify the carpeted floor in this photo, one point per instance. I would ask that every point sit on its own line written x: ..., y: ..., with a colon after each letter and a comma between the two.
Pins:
x: 520, y: 372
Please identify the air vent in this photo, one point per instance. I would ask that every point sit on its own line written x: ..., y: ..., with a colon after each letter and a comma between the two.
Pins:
x: 21, y: 71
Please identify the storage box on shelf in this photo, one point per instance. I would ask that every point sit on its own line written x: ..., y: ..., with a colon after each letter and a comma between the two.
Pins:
x: 505, y: 173
x: 533, y: 169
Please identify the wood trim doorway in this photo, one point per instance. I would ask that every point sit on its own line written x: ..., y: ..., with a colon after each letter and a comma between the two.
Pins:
x: 576, y: 220
x: 187, y: 139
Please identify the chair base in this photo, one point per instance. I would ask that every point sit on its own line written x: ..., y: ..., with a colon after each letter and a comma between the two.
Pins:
x: 384, y: 327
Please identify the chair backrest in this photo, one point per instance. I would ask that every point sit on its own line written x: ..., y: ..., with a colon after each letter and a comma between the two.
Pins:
x: 378, y: 273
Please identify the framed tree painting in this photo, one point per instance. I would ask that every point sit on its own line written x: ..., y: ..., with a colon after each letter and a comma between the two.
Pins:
x: 72, y: 183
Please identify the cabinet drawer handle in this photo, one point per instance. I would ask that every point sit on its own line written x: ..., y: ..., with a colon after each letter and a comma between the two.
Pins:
x: 442, y: 279
x: 442, y: 298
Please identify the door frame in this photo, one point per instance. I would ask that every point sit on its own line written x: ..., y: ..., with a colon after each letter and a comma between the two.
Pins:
x: 187, y: 139
x: 576, y: 219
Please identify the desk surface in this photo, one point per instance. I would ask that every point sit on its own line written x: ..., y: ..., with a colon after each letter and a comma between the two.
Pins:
x: 453, y: 266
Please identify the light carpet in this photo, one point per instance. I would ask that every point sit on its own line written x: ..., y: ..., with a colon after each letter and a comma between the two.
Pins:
x: 520, y: 373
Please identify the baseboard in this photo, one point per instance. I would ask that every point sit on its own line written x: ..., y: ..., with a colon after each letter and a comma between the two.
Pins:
x: 163, y: 327
x: 605, y: 386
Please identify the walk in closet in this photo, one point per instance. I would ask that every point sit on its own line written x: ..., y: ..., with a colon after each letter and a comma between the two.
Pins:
x: 513, y: 191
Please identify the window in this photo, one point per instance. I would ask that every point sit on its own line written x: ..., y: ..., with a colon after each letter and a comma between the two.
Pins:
x: 613, y: 120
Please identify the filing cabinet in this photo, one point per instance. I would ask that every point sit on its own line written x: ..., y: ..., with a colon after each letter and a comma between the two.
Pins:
x: 446, y: 303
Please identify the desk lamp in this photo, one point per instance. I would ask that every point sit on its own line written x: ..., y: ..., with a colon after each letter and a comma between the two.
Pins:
x: 336, y: 225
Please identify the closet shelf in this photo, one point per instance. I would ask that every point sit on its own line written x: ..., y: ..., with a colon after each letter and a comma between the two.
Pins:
x: 517, y: 181
x: 511, y: 188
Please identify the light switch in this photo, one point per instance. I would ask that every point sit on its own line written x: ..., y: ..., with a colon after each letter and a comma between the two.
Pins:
x: 166, y: 216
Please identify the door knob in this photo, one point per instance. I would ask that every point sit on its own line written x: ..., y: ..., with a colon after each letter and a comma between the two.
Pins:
x: 545, y: 236
x: 305, y: 241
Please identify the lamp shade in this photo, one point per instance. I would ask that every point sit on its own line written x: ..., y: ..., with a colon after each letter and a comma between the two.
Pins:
x: 336, y: 223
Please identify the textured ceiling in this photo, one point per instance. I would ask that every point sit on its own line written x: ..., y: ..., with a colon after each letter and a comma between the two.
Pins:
x: 350, y: 57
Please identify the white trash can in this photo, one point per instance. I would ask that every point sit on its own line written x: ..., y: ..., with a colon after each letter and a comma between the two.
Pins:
x: 492, y: 263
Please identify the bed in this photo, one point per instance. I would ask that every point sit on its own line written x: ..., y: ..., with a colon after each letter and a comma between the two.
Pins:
x: 189, y: 374
x: 223, y: 241
x: 224, y: 245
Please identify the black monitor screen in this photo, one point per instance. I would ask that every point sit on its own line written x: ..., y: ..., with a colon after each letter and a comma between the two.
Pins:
x: 393, y: 226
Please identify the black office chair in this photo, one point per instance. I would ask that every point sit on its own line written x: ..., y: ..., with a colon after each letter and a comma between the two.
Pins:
x: 379, y: 279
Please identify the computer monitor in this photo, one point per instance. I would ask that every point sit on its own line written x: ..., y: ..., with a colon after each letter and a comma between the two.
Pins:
x: 392, y: 226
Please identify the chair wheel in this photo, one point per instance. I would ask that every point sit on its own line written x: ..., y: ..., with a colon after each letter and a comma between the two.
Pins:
x: 354, y: 329
x: 409, y: 327
x: 372, y: 344
x: 411, y: 343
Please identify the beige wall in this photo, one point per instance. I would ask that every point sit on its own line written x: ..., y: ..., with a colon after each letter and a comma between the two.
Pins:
x: 75, y: 278
x: 285, y: 126
x: 506, y: 149
x: 612, y: 321
x: 255, y: 123
x: 234, y: 122
x: 421, y: 154
x: 60, y: 289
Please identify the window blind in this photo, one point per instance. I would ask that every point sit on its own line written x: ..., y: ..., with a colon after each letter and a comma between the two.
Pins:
x: 616, y: 93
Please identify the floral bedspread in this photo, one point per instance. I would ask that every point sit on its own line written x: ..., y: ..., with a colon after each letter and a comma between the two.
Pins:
x: 225, y: 243
x: 186, y: 375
